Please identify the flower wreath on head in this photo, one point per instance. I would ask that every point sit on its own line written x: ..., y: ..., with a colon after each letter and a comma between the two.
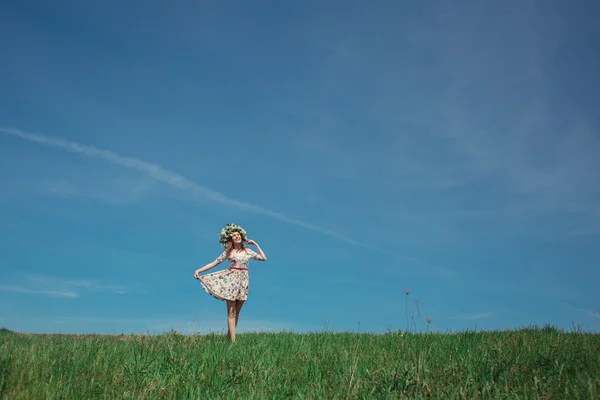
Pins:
x: 228, y: 231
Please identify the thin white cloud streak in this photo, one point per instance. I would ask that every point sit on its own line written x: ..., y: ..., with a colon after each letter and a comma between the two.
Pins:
x: 96, y: 286
x: 590, y: 313
x: 473, y: 316
x: 449, y: 144
x: 158, y: 173
x: 533, y: 132
x: 181, y: 324
x: 178, y: 181
x: 88, y: 285
x: 58, y: 287
x: 53, y: 293
x: 543, y: 166
x: 114, y: 191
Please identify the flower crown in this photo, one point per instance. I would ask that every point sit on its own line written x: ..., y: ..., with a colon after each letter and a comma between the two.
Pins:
x: 228, y: 231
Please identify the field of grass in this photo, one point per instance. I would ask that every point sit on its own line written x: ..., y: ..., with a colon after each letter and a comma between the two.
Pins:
x: 528, y: 363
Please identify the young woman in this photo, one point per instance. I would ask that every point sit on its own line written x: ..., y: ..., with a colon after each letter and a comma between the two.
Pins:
x: 231, y: 284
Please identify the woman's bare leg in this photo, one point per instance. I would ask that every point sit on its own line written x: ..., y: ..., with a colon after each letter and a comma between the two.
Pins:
x: 231, y: 319
x: 238, y: 308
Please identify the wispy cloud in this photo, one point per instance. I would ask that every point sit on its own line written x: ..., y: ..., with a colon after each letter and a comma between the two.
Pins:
x: 590, y: 313
x: 183, y: 324
x: 472, y: 316
x: 159, y: 173
x: 113, y: 191
x: 44, y: 292
x: 484, y: 137
x: 178, y: 181
x: 541, y: 162
x: 456, y: 165
x: 61, y: 287
x: 95, y: 286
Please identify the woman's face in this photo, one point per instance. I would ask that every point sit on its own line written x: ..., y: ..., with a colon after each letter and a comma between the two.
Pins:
x: 236, y: 238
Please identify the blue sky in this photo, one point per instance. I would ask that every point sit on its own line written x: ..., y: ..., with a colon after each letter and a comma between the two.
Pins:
x: 449, y: 149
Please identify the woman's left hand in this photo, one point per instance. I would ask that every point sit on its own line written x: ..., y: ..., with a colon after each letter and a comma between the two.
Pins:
x: 252, y: 242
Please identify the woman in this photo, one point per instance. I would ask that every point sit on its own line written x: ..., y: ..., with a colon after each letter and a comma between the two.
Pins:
x: 231, y: 284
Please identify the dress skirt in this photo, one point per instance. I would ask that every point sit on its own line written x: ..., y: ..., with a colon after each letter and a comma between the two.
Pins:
x: 229, y: 284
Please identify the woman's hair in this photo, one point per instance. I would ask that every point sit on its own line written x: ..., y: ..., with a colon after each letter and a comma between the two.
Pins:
x: 231, y: 248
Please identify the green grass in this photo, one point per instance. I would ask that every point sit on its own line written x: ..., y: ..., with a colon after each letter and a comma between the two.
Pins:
x: 529, y: 363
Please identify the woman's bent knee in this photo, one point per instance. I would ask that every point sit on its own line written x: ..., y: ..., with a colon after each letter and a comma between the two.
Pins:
x: 231, y: 312
x: 231, y: 309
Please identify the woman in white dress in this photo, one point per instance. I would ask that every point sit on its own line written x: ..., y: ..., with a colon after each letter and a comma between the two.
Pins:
x: 231, y: 284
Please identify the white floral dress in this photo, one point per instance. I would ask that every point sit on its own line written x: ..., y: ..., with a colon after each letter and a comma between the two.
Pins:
x: 232, y: 283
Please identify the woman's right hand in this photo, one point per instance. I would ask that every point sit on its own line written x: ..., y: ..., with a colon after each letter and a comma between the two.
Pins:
x: 197, y: 274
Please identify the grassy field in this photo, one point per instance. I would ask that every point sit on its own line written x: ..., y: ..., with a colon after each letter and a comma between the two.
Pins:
x: 529, y: 363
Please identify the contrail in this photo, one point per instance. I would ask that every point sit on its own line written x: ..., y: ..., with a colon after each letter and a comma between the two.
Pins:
x: 159, y: 173
x: 178, y: 181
